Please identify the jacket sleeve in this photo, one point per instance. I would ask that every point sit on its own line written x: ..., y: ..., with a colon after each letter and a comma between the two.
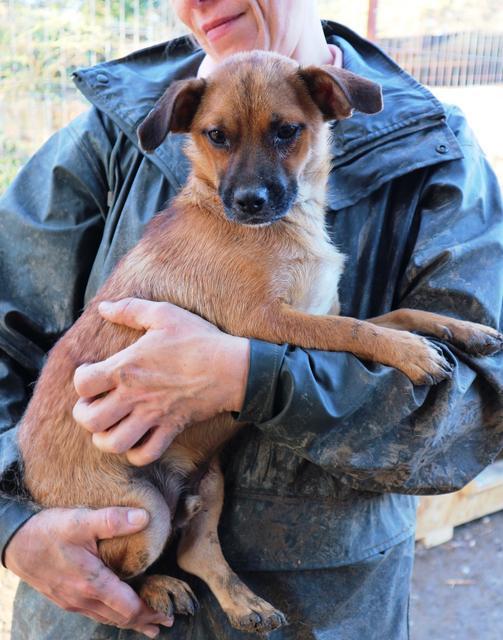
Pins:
x: 367, y: 424
x: 51, y: 221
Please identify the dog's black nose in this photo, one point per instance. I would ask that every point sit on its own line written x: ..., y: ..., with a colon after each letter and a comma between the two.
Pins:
x: 250, y: 200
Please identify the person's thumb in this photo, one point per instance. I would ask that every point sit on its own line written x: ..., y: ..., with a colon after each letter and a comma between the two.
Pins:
x: 110, y: 522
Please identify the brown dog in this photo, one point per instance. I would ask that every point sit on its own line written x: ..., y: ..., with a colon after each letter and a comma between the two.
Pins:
x: 243, y: 245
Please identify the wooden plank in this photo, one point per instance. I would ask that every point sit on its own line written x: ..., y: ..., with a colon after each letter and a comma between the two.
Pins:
x: 438, y: 514
x: 437, y: 536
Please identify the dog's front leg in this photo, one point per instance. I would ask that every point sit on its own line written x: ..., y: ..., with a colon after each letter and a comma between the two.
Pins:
x: 199, y: 553
x: 413, y: 355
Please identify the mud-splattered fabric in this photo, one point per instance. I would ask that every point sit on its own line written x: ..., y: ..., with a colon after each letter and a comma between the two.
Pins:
x: 365, y: 601
x: 325, y: 474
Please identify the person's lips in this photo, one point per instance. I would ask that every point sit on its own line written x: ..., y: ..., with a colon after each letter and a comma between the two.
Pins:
x: 218, y: 27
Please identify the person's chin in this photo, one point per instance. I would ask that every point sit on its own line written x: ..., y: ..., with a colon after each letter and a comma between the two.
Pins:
x: 232, y: 41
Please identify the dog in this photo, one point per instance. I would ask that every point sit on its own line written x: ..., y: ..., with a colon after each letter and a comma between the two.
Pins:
x: 243, y: 245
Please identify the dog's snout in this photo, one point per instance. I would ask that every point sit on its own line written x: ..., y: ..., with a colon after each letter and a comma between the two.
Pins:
x: 250, y: 200
x: 259, y: 197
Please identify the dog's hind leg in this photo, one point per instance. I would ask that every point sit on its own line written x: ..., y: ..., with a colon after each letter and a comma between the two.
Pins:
x: 199, y: 553
x: 130, y: 556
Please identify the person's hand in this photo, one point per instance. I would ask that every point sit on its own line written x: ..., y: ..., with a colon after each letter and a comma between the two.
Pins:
x: 182, y: 370
x: 56, y: 552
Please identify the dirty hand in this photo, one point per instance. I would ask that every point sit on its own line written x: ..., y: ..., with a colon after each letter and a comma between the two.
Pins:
x: 56, y: 552
x: 182, y: 370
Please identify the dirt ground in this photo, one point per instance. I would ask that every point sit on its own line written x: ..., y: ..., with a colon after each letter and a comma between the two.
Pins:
x: 457, y: 589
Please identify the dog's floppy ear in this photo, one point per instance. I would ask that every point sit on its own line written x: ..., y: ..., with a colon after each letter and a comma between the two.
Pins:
x: 338, y: 92
x: 174, y: 111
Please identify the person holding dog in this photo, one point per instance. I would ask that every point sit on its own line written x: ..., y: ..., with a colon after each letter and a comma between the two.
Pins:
x: 338, y: 447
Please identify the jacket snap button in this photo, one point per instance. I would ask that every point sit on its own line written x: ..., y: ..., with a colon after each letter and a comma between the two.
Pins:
x: 101, y: 78
x: 442, y: 148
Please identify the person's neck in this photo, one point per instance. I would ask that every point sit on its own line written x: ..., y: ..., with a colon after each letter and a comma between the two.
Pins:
x: 312, y: 49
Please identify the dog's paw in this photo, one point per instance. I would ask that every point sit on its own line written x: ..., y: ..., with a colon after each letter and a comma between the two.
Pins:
x: 168, y: 595
x: 246, y: 611
x: 258, y: 617
x: 475, y: 339
x: 424, y: 363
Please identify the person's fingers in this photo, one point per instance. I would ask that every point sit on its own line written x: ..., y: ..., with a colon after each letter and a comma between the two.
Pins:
x: 91, y: 380
x: 117, y: 602
x: 99, y: 612
x: 124, y: 435
x: 151, y: 631
x: 92, y: 614
x: 85, y: 525
x: 89, y: 611
x: 99, y: 592
x: 120, y: 598
x: 102, y: 413
x: 81, y: 600
x: 138, y: 313
x: 152, y: 448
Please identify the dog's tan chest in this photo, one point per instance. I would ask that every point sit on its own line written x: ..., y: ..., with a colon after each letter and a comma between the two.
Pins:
x: 315, y: 284
x: 314, y: 272
x: 318, y: 289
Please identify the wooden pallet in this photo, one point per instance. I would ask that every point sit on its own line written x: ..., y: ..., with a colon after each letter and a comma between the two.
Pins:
x: 438, y: 515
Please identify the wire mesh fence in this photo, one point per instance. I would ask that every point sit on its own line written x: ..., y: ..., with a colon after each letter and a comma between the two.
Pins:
x: 450, y: 60
x: 43, y: 41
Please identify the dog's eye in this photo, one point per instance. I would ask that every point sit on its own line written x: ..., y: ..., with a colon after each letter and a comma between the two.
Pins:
x: 287, y: 131
x: 217, y: 137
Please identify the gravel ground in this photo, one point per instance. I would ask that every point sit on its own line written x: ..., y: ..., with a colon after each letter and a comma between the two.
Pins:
x: 457, y: 587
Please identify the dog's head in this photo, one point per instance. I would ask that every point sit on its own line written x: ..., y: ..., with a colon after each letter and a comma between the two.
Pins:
x: 255, y: 123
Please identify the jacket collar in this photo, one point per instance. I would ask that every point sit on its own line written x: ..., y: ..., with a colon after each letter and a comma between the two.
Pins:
x: 126, y: 89
x: 367, y: 151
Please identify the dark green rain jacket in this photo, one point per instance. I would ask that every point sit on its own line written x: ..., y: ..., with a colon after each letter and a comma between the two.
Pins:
x: 326, y: 476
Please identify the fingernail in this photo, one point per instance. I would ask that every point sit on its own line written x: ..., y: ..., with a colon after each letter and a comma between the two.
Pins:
x: 152, y: 634
x: 105, y: 306
x: 167, y: 622
x: 137, y: 516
